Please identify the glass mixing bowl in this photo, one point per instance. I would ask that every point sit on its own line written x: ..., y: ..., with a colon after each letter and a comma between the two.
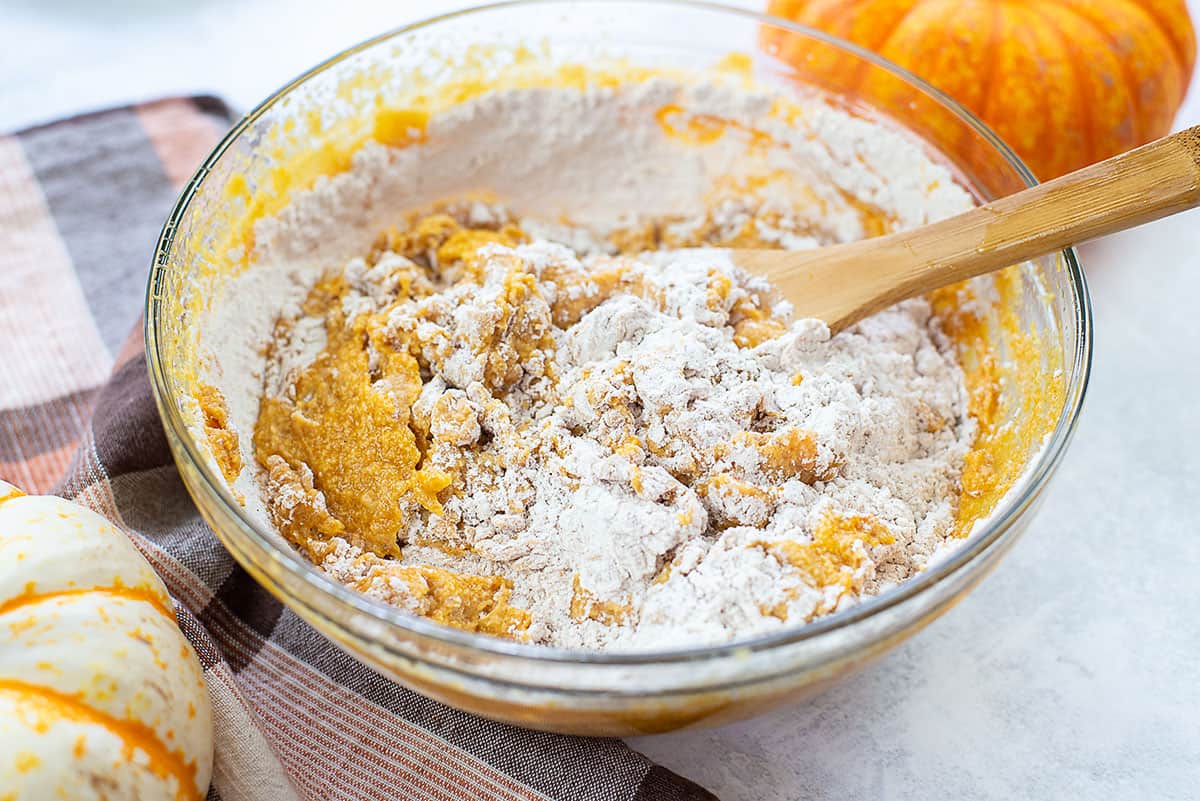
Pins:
x: 543, y: 687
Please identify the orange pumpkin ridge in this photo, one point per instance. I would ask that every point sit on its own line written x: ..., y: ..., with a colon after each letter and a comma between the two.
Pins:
x: 143, y: 594
x: 1065, y: 82
x: 1183, y: 45
x: 1083, y: 106
x: 1172, y: 88
x: 160, y: 760
x: 993, y: 46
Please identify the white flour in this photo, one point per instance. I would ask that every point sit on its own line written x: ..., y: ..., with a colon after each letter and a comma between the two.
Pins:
x: 648, y: 492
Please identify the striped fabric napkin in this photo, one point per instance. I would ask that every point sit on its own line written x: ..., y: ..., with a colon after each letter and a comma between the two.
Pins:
x: 81, y: 203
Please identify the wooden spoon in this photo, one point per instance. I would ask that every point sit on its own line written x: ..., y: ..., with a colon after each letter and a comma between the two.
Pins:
x: 844, y: 283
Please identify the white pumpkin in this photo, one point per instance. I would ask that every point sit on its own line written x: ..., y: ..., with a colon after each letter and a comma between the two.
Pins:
x: 101, y: 696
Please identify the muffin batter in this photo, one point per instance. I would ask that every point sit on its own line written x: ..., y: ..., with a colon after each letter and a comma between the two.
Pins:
x: 499, y: 373
x: 590, y: 449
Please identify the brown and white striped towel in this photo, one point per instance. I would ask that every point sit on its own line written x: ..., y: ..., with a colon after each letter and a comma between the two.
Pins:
x: 81, y: 204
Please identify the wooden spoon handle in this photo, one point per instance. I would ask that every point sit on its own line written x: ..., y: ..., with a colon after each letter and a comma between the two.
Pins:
x: 1122, y: 192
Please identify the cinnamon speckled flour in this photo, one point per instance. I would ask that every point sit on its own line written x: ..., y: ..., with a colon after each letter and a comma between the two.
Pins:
x: 622, y: 437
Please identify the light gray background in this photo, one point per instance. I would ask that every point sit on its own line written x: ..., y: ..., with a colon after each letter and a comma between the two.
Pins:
x: 1073, y: 672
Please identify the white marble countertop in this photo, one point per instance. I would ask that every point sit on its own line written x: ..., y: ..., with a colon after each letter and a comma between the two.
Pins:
x: 1072, y: 672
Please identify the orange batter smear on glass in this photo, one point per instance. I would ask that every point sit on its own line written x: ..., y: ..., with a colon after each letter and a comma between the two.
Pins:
x: 222, y: 441
x: 1012, y: 423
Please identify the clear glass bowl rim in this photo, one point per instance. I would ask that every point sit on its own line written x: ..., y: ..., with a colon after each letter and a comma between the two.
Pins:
x: 1003, y: 517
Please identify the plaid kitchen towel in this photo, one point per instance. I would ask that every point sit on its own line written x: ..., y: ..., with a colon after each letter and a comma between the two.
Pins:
x: 81, y: 203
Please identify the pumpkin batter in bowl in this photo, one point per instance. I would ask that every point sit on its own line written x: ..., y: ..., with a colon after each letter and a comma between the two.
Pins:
x: 290, y: 266
x: 602, y: 434
x: 600, y: 450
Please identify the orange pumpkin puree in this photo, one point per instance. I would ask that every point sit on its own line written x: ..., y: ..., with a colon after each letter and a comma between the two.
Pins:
x: 349, y: 425
x: 342, y: 447
x: 222, y: 441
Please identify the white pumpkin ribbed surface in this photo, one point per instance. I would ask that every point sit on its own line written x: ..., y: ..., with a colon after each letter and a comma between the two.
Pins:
x: 101, y: 696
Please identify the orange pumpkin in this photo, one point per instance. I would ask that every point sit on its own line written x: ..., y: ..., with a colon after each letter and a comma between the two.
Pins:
x: 1064, y: 82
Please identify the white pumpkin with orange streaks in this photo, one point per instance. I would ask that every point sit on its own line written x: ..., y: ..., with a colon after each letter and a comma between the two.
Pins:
x: 101, y: 696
